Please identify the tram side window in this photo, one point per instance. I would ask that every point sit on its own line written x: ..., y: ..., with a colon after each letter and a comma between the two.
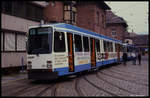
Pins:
x: 59, y: 42
x: 105, y: 46
x: 108, y: 46
x: 111, y: 45
x: 97, y: 45
x: 78, y: 43
x: 86, y: 44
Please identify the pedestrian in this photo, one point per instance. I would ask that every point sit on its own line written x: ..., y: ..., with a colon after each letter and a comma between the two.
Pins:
x: 139, y: 57
x: 133, y: 58
x: 124, y: 57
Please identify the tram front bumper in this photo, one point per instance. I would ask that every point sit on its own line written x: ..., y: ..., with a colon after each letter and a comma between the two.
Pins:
x: 41, y: 74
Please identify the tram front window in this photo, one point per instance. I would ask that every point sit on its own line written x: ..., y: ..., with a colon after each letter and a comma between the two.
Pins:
x: 40, y: 40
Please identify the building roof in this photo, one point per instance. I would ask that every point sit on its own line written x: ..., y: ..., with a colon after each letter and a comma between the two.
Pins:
x: 141, y: 40
x: 100, y: 4
x: 103, y: 5
x: 40, y: 3
x: 111, y: 18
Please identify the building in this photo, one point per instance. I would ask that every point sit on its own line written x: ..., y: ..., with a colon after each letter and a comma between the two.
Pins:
x: 60, y: 11
x: 91, y: 15
x: 16, y: 17
x: 128, y: 37
x: 116, y: 27
x: 141, y: 41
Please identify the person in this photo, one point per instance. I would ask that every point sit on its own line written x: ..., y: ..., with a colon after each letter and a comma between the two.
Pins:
x: 134, y: 58
x: 139, y: 58
x: 124, y: 58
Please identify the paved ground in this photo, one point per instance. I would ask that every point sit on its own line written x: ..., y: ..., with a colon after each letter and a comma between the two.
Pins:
x: 117, y: 80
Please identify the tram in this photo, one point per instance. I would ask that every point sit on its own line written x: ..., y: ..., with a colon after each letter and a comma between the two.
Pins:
x: 61, y: 49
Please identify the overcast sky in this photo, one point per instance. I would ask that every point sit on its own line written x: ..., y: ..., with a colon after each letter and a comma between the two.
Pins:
x: 135, y: 13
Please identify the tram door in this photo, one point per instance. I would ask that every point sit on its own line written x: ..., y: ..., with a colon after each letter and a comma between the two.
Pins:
x: 70, y: 52
x: 93, y: 55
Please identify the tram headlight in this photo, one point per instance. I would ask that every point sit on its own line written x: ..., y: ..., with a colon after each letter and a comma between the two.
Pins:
x: 49, y: 65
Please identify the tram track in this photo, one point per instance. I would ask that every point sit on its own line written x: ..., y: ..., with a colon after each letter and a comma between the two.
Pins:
x: 24, y: 87
x: 43, y: 91
x: 117, y: 69
x: 99, y: 88
x: 54, y: 90
x: 13, y: 86
x: 123, y: 79
x: 74, y: 87
x: 131, y: 76
x: 98, y: 76
x: 27, y: 89
x: 77, y: 88
x: 19, y: 90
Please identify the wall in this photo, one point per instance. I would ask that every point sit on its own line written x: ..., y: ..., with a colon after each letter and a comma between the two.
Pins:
x: 16, y: 23
x: 12, y: 59
x: 54, y: 12
x: 120, y: 31
x: 87, y: 17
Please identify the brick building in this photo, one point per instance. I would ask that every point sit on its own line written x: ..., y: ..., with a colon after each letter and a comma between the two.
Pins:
x: 141, y: 41
x: 89, y: 15
x: 60, y: 11
x: 116, y: 27
x: 16, y: 17
x: 92, y: 16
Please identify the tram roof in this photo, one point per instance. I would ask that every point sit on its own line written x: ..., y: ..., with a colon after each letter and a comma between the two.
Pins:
x: 72, y: 27
x: 78, y: 29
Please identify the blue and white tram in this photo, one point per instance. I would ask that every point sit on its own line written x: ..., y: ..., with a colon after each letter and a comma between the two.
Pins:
x: 60, y: 49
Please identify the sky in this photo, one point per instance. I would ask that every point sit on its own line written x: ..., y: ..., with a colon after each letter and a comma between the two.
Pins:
x: 134, y: 13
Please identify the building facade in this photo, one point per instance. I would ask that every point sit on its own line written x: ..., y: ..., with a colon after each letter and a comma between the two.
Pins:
x: 116, y: 27
x: 92, y: 16
x: 89, y: 15
x: 60, y: 11
x: 16, y: 17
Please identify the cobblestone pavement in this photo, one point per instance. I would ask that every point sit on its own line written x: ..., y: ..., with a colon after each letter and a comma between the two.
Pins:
x: 115, y: 80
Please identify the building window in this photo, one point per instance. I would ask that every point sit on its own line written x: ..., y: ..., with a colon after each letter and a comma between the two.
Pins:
x: 103, y: 21
x: 69, y: 14
x: 1, y: 41
x: 34, y: 12
x: 97, y: 18
x: 30, y: 11
x: 113, y: 32
x: 9, y: 42
x: 13, y: 41
x: 19, y: 9
x: 23, y: 9
x: 39, y: 13
x: 7, y: 7
x: 21, y: 42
